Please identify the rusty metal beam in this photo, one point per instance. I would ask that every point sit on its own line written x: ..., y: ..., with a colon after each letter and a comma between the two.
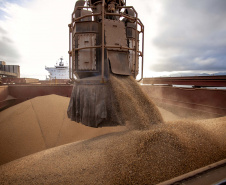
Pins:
x: 210, y: 172
x: 70, y: 52
x: 103, y: 43
x: 89, y: 47
x: 82, y: 17
x: 142, y: 62
x: 198, y: 81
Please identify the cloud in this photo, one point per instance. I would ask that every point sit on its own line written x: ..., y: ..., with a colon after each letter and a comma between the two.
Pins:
x: 36, y: 34
x: 180, y: 35
x: 8, y: 51
x: 5, y: 6
x: 192, y: 36
x: 2, y: 31
x: 6, y: 48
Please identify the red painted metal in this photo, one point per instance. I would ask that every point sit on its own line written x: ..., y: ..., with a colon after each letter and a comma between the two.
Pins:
x: 31, y: 91
x: 54, y: 81
x: 8, y: 102
x: 203, y: 100
x: 207, y: 101
x: 5, y: 99
x: 3, y: 92
x: 11, y: 80
x: 14, y: 94
x: 202, y: 81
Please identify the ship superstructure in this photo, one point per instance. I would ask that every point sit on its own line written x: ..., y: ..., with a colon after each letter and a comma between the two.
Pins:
x: 59, y: 71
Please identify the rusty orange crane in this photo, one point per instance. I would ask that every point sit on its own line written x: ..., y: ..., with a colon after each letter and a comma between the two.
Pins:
x: 103, y: 40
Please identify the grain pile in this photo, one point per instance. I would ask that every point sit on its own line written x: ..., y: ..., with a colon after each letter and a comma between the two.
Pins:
x: 146, y: 153
x: 130, y: 157
x: 39, y: 124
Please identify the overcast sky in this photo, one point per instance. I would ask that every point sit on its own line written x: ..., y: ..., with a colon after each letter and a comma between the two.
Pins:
x: 181, y: 36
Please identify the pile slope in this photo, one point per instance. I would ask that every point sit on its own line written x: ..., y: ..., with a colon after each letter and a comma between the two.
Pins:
x: 130, y: 157
x: 39, y: 124
x: 149, y: 152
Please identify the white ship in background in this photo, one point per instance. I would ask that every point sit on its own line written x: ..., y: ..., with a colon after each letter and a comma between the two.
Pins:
x: 59, y: 71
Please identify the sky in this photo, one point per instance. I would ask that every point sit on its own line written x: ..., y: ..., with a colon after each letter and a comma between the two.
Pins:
x: 182, y: 37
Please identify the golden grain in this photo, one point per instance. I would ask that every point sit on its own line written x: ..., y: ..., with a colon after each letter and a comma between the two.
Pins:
x: 149, y: 152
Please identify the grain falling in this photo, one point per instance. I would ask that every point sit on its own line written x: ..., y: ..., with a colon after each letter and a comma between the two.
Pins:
x: 132, y: 105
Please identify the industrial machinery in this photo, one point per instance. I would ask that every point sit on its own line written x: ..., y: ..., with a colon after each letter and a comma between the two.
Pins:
x: 9, y: 70
x: 103, y: 40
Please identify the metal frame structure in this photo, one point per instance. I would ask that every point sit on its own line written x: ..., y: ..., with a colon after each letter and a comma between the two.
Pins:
x: 103, y: 45
x: 196, y: 81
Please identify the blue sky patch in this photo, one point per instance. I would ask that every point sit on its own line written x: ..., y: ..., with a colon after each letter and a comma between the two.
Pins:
x: 3, y: 5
